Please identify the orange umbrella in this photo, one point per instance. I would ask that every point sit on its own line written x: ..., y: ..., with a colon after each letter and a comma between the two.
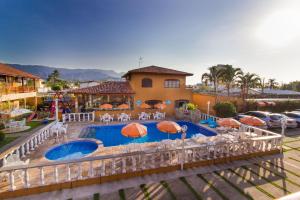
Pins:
x: 168, y: 127
x: 160, y: 106
x: 252, y: 121
x: 106, y: 106
x: 144, y: 105
x: 123, y: 106
x: 134, y: 130
x: 229, y: 122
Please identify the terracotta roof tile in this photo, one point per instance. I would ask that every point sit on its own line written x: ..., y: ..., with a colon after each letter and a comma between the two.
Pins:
x: 157, y: 70
x: 10, y: 71
x: 108, y: 87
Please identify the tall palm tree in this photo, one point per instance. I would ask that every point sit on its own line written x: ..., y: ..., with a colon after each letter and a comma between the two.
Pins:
x: 262, y: 85
x: 215, y: 72
x: 272, y: 83
x: 247, y: 81
x: 229, y: 76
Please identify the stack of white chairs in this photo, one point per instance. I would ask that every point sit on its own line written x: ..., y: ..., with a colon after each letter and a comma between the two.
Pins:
x: 123, y: 117
x: 106, y: 118
x: 144, y: 116
x: 159, y: 116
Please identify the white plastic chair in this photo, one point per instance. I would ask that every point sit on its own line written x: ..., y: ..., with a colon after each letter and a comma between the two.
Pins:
x: 144, y: 116
x: 107, y: 118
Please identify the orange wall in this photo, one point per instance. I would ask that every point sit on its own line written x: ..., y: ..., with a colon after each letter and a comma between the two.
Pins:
x: 201, y: 101
x: 158, y: 91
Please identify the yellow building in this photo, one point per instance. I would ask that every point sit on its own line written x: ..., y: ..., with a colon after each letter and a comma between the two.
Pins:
x: 17, y: 88
x: 150, y: 85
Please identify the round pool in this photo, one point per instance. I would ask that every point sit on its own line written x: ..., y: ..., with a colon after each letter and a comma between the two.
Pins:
x: 71, y: 150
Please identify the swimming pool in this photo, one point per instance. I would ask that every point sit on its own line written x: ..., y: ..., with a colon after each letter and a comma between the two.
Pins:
x: 71, y: 150
x: 111, y: 135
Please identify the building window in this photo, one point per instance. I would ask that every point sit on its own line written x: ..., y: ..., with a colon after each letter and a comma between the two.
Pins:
x: 146, y: 82
x: 172, y: 83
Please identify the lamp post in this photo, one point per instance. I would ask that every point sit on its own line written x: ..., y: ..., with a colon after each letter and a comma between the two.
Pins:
x: 56, y: 110
x: 208, y: 104
x: 283, y: 127
x: 183, y: 135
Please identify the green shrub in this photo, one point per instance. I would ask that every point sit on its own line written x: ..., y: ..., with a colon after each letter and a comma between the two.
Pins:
x: 2, y: 136
x: 1, y: 126
x: 191, y: 106
x: 225, y: 109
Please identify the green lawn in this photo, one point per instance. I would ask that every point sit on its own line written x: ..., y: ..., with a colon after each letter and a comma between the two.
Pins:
x: 7, y: 140
x: 33, y: 124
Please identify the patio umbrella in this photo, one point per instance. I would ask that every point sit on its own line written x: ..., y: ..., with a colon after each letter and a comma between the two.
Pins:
x: 106, y: 106
x: 160, y: 106
x: 123, y: 106
x: 134, y: 130
x: 229, y: 122
x: 271, y: 103
x: 261, y: 104
x: 168, y: 127
x: 252, y: 121
x: 145, y: 106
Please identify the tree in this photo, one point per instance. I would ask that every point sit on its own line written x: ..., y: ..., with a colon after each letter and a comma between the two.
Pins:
x: 55, y: 82
x: 229, y: 76
x: 215, y: 72
x: 262, y: 84
x: 247, y: 81
x: 272, y: 83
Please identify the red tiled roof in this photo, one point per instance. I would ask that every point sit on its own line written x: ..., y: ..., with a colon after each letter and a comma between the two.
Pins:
x: 10, y: 71
x: 157, y: 70
x: 108, y: 87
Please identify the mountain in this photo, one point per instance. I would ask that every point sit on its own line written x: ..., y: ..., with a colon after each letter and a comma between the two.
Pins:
x: 70, y: 74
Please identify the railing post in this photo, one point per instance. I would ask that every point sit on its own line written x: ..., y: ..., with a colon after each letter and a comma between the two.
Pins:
x: 123, y: 165
x: 91, y: 170
x: 56, y: 174
x: 12, y: 181
x: 42, y: 176
x: 22, y: 151
x: 79, y: 171
x: 102, y: 168
x: 26, y: 182
x: 133, y: 163
x: 68, y: 172
x: 113, y: 166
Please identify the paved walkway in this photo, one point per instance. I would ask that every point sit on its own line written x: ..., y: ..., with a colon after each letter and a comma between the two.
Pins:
x: 260, y: 178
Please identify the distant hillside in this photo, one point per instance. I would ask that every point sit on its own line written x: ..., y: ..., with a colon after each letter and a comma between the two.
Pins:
x: 70, y: 74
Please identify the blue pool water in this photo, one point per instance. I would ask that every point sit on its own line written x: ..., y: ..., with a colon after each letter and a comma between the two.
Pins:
x: 111, y: 135
x: 71, y: 150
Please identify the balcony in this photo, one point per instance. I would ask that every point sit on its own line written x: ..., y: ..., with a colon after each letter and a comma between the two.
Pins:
x: 13, y: 90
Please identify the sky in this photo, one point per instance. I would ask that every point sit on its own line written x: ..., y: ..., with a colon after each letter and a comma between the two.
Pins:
x: 259, y: 36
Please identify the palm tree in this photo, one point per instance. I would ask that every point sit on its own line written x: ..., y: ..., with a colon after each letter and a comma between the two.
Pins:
x: 272, y: 83
x: 262, y: 85
x: 247, y: 81
x: 215, y: 72
x: 229, y: 76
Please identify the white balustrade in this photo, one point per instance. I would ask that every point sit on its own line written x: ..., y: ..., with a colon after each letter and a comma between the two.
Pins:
x: 137, y: 161
x: 78, y: 117
x: 27, y: 145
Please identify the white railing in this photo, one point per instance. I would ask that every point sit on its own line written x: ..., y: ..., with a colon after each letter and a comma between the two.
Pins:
x: 194, y: 115
x: 35, y: 175
x: 29, y: 144
x: 78, y: 117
